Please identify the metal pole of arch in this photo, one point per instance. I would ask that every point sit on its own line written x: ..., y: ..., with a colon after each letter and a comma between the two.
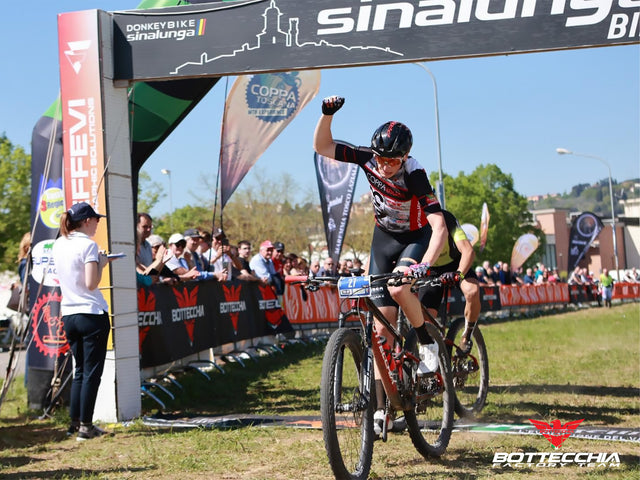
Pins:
x: 167, y: 172
x: 440, y: 186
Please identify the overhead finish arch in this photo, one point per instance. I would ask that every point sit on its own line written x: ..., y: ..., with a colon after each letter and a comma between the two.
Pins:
x: 101, y: 54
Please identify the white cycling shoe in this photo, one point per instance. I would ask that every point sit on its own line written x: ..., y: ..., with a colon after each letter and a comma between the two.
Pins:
x: 378, y: 422
x: 428, y: 358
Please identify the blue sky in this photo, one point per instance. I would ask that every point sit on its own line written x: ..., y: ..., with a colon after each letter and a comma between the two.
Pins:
x: 513, y: 111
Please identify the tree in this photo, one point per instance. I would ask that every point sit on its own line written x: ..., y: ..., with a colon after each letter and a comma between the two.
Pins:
x: 264, y: 210
x: 15, y: 200
x: 183, y: 218
x: 510, y: 217
x: 149, y: 193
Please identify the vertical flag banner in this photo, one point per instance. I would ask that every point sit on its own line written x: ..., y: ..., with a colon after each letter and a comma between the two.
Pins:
x: 258, y: 109
x: 471, y: 231
x: 336, y: 183
x: 81, y: 102
x: 523, y: 248
x: 484, y: 226
x: 584, y: 230
x: 47, y: 204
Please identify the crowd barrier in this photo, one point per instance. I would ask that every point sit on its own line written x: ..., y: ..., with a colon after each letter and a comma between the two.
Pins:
x: 183, y: 321
x: 178, y: 322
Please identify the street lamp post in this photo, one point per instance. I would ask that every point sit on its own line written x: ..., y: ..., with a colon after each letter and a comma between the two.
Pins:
x: 435, y: 96
x: 164, y: 171
x: 564, y: 151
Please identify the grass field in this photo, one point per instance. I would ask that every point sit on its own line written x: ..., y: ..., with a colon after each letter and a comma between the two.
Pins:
x: 577, y: 365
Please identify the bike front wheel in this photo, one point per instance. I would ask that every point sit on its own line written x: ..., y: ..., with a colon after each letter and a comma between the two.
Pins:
x: 470, y: 371
x: 430, y: 421
x: 347, y: 416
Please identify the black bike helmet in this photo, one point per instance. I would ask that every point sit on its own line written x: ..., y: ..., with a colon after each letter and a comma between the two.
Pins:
x: 392, y: 140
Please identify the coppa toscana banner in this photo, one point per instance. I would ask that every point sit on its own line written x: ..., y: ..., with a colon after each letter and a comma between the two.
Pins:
x: 269, y: 35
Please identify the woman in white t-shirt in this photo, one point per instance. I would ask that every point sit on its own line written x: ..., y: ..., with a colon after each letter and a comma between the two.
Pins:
x: 84, y: 310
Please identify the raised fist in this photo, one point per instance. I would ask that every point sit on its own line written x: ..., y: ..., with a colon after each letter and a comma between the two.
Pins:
x: 420, y: 270
x: 450, y: 278
x: 331, y: 105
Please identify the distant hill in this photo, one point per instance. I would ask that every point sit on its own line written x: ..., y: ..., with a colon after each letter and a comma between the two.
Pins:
x: 592, y: 198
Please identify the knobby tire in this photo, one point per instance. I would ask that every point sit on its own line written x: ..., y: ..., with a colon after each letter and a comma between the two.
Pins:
x: 348, y: 435
x: 470, y: 377
x: 430, y: 422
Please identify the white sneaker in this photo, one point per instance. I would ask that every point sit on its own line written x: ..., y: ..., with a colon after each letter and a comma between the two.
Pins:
x: 428, y: 358
x: 378, y: 422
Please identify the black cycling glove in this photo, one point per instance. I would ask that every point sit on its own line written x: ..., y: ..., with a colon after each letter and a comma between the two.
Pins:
x: 331, y: 105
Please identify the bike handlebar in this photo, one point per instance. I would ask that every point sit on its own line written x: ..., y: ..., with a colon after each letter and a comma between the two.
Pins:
x: 393, y: 278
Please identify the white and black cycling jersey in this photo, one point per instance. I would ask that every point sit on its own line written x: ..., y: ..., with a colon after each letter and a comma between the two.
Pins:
x: 401, y: 203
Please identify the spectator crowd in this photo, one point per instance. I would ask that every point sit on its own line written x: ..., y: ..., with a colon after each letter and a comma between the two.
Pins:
x: 200, y: 255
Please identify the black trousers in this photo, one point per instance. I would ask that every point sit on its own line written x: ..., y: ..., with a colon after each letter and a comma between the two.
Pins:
x: 87, y: 335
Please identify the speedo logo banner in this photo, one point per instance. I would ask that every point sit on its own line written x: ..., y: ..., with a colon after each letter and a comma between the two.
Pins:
x: 252, y: 36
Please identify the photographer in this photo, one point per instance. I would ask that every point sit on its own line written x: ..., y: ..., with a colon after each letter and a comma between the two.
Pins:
x: 223, y: 260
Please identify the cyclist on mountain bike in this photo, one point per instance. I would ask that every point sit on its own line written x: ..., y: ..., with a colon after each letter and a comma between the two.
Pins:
x: 454, y: 267
x: 403, y: 203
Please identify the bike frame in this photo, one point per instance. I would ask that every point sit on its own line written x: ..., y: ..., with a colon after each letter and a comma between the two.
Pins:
x: 390, y: 363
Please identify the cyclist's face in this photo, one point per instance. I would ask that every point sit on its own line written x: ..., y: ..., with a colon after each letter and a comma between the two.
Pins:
x: 388, y: 167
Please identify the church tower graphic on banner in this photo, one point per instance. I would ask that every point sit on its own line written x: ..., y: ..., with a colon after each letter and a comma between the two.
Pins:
x: 272, y: 34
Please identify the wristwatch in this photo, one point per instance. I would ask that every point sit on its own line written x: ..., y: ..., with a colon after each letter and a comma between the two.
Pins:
x: 460, y: 275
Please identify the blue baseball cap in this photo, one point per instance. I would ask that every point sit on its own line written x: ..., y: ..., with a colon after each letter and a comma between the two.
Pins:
x: 82, y: 211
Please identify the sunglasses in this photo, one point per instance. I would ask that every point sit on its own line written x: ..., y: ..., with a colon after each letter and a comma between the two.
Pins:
x: 388, y: 162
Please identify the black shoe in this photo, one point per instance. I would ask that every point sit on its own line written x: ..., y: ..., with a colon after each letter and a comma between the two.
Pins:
x: 73, y: 429
x: 86, y: 433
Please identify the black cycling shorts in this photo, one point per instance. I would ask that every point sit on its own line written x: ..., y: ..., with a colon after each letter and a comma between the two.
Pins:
x: 431, y: 296
x: 390, y: 250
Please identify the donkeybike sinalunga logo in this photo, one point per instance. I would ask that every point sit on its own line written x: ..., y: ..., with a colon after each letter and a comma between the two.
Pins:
x: 273, y: 98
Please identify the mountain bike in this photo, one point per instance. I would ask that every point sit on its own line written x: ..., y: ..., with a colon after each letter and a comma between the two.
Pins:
x: 347, y: 393
x: 470, y: 370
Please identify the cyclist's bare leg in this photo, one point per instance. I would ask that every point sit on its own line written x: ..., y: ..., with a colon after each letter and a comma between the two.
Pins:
x: 471, y: 293
x: 409, y: 301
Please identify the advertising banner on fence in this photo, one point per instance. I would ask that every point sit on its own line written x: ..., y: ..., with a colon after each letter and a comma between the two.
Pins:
x: 584, y: 230
x: 175, y: 322
x: 336, y: 183
x: 258, y: 109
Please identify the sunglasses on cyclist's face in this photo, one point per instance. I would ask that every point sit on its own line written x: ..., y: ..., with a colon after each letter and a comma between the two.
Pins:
x: 388, y: 162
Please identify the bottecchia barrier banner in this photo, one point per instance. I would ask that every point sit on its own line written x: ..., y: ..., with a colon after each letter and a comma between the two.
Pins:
x: 175, y: 322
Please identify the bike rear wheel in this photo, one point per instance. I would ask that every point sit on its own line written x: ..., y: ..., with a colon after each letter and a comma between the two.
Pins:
x: 470, y: 371
x: 431, y: 420
x: 347, y: 417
